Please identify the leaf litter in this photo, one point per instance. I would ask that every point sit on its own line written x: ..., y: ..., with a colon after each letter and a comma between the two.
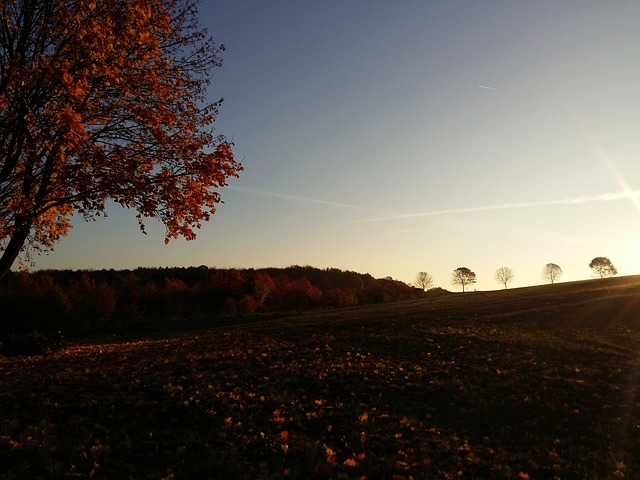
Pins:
x: 452, y: 397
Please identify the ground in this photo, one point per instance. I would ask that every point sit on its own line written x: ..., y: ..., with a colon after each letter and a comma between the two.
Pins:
x: 532, y: 383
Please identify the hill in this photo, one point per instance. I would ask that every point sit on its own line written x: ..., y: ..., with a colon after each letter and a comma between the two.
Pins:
x: 532, y: 383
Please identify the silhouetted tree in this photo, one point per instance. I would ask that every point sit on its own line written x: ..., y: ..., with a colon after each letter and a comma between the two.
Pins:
x: 128, y: 293
x: 424, y: 281
x: 345, y: 279
x: 301, y: 294
x: 551, y: 272
x: 176, y: 298
x: 603, y: 267
x: 91, y: 302
x: 504, y: 275
x: 151, y: 302
x: 105, y: 100
x: 32, y: 302
x: 340, y: 297
x: 463, y: 276
x: 262, y: 286
x: 247, y: 306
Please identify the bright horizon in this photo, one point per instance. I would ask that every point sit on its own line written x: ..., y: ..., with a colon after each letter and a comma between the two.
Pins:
x: 396, y: 137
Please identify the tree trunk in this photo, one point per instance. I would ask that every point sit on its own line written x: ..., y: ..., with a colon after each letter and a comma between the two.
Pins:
x: 13, y: 248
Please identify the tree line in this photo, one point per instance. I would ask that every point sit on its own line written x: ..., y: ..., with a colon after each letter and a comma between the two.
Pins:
x: 463, y: 276
x: 103, y: 300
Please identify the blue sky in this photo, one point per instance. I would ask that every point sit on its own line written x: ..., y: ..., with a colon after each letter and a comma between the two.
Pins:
x: 392, y: 137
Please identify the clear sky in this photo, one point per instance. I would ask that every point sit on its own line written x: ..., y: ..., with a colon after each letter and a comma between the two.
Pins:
x: 392, y: 137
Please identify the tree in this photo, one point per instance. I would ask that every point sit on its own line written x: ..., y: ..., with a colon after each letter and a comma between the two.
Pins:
x: 551, y: 272
x: 463, y: 276
x: 301, y: 294
x: 424, y: 281
x: 603, y: 267
x: 262, y: 286
x: 504, y: 275
x: 91, y: 300
x: 105, y: 100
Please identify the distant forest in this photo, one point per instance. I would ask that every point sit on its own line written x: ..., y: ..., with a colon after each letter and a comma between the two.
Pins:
x: 111, y: 300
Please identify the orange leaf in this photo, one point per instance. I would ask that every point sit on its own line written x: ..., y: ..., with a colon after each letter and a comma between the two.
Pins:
x: 350, y: 462
x: 332, y: 459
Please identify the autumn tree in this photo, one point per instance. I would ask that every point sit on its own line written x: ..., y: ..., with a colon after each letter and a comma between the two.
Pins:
x: 603, y: 267
x: 301, y: 294
x: 32, y: 302
x: 463, y: 276
x: 262, y: 285
x: 105, y: 100
x: 551, y: 272
x: 424, y: 281
x: 91, y: 301
x: 504, y: 275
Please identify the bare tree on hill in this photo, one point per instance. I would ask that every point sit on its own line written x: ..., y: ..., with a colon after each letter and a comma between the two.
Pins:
x: 551, y: 272
x: 424, y: 281
x: 504, y: 275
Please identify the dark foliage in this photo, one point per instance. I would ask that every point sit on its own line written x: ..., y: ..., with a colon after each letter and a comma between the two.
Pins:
x: 80, y: 302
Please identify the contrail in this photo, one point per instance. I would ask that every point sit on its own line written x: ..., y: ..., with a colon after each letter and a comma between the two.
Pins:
x: 607, y: 197
x: 486, y: 87
x: 633, y: 195
x: 317, y: 201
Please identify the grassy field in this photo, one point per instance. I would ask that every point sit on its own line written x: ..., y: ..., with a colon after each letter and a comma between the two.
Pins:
x: 532, y: 383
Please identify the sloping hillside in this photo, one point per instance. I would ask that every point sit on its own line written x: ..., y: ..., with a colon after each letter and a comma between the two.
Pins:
x: 532, y: 383
x: 600, y: 303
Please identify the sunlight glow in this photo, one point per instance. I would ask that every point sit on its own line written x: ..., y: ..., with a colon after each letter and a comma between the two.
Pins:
x: 627, y: 255
x: 606, y: 160
x: 622, y: 182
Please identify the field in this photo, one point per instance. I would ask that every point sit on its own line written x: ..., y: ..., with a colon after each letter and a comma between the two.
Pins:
x: 532, y: 383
